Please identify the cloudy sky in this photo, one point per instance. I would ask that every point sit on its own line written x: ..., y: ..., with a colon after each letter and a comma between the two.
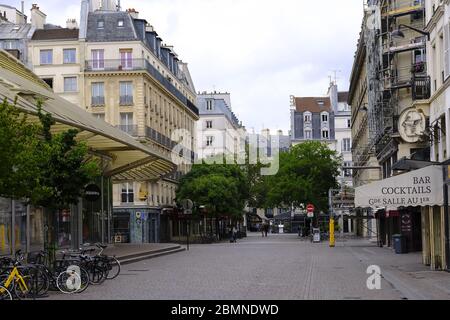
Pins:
x: 261, y: 51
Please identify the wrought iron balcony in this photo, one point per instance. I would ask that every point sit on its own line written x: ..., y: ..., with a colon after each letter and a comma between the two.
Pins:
x: 119, y: 65
x: 98, y: 101
x: 421, y: 87
x: 126, y: 100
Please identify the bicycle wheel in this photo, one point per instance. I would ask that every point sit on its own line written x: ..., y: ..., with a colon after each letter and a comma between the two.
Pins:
x: 39, y: 281
x: 22, y: 289
x: 5, y: 294
x: 113, y: 267
x: 68, y: 282
x: 96, y: 275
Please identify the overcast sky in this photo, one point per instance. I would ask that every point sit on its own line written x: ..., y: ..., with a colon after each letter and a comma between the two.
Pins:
x: 261, y: 51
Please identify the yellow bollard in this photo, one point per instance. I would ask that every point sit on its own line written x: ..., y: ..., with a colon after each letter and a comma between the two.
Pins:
x: 332, y: 239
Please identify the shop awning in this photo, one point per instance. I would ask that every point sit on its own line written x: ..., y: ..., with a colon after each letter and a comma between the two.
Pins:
x: 129, y: 160
x: 417, y: 188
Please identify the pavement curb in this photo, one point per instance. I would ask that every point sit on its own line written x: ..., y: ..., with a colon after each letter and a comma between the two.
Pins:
x: 149, y: 255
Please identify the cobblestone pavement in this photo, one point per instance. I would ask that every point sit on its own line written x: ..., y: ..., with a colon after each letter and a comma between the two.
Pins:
x: 279, y: 267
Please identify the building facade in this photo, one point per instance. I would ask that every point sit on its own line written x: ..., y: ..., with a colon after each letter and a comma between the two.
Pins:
x: 116, y: 67
x: 219, y: 131
x: 435, y: 219
x: 121, y: 157
x: 391, y: 111
x: 312, y: 119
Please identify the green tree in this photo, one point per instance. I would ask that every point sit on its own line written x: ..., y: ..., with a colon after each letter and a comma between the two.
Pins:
x: 307, y: 172
x: 48, y: 170
x: 222, y: 189
x: 19, y: 156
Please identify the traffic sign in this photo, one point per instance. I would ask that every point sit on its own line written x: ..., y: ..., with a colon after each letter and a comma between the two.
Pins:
x: 310, y: 208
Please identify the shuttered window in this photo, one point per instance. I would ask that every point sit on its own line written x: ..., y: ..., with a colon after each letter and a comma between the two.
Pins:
x: 446, y: 51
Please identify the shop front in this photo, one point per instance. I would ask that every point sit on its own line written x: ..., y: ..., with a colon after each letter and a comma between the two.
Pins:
x: 410, y: 205
x: 136, y: 225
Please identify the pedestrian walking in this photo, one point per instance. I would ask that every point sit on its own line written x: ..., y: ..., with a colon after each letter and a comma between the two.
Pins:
x: 266, y: 229
x: 234, y: 234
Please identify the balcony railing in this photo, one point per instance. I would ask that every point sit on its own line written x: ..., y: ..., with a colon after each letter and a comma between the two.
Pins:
x: 131, y: 129
x: 421, y: 88
x: 98, y: 101
x: 137, y: 65
x: 126, y: 100
x: 161, y: 139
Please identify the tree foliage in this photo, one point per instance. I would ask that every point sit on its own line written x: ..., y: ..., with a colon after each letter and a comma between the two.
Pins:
x: 307, y: 172
x: 48, y: 169
x: 222, y: 189
x: 19, y: 156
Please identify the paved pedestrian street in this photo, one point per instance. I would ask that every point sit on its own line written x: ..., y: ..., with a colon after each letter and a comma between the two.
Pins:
x: 279, y: 267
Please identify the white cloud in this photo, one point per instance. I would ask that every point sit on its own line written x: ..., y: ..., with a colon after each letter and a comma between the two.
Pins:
x: 259, y: 50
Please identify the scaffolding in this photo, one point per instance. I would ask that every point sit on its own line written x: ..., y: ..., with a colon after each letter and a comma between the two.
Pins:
x: 387, y: 73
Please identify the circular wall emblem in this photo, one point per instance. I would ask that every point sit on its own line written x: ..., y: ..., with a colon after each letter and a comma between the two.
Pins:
x: 92, y: 193
x: 412, y: 125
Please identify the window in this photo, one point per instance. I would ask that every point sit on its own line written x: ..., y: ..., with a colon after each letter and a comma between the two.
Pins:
x: 325, y: 134
x: 10, y: 45
x: 98, y: 94
x: 347, y: 172
x: 126, y: 123
x: 308, y: 117
x: 126, y: 59
x: 127, y: 193
x: 120, y: 23
x: 69, y: 56
x: 346, y: 145
x: 209, y: 124
x: 209, y: 105
x: 100, y: 24
x: 70, y: 84
x: 98, y: 59
x: 308, y: 134
x: 49, y: 81
x: 324, y: 117
x: 46, y: 56
x: 209, y: 141
x: 126, y: 93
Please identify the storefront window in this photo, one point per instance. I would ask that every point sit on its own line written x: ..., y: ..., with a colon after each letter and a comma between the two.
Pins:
x: 5, y: 226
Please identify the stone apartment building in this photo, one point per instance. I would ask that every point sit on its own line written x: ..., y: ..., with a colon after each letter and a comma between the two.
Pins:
x: 115, y: 66
x: 219, y: 131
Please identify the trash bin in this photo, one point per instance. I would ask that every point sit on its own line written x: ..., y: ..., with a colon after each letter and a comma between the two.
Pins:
x: 399, y: 244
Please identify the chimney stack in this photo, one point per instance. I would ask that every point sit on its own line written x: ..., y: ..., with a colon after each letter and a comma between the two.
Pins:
x: 38, y: 18
x: 71, y: 24
x: 134, y: 14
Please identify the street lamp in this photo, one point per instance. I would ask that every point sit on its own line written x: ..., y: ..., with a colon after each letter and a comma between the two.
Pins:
x: 399, y: 34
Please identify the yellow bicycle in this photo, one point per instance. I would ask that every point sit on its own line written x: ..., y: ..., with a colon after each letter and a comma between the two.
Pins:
x: 15, y: 282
